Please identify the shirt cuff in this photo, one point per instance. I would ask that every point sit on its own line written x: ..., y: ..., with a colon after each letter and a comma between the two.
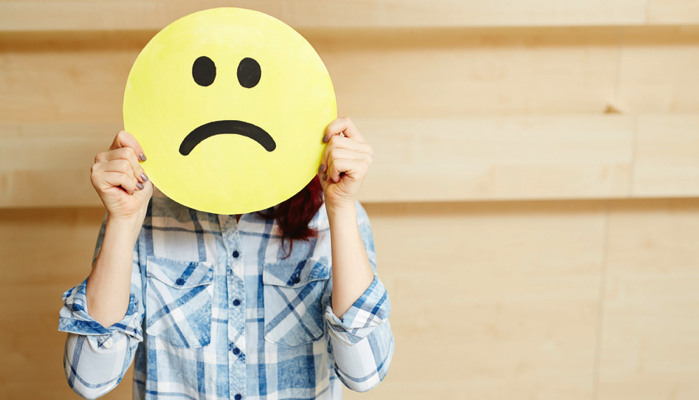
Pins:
x: 369, y: 311
x: 75, y: 319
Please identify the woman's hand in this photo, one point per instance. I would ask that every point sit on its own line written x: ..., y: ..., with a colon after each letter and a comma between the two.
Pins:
x: 344, y: 165
x: 119, y: 180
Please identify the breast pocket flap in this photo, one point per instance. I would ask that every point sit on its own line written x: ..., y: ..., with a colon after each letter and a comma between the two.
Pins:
x: 295, y: 274
x: 180, y: 274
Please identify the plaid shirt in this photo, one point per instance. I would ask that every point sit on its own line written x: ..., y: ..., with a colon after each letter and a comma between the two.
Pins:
x: 217, y: 312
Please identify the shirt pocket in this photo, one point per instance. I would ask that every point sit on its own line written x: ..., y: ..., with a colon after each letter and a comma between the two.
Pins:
x: 293, y: 294
x: 179, y: 295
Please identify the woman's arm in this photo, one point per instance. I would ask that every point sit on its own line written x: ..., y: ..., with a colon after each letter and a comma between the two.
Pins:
x: 352, y: 272
x: 103, y: 314
x: 361, y: 340
x: 125, y: 191
x: 345, y: 164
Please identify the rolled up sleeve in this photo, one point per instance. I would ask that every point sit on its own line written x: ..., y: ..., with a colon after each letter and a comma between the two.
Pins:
x: 361, y: 341
x: 97, y: 357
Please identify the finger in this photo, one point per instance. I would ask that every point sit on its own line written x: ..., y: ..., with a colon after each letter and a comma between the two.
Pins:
x: 342, y: 125
x: 339, y: 142
x: 356, y: 165
x: 121, y: 166
x: 118, y: 165
x: 339, y: 166
x: 125, y: 139
x: 128, y: 154
x: 128, y: 183
x: 339, y: 152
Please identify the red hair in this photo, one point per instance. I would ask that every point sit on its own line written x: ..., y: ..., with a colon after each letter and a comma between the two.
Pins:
x: 294, y: 215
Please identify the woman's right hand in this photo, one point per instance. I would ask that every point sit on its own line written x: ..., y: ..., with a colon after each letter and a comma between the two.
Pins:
x: 119, y: 180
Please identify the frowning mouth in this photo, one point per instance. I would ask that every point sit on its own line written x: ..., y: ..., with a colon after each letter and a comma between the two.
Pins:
x: 228, y: 127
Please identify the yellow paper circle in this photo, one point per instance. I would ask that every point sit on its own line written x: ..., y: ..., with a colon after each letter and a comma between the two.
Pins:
x: 229, y: 167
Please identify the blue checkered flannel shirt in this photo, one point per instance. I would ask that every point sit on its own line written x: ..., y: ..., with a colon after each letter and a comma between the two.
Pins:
x: 217, y: 312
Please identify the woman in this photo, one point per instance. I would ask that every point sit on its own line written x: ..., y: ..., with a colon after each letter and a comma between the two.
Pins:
x: 275, y: 305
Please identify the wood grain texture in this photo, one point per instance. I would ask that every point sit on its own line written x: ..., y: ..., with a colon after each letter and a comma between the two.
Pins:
x: 393, y: 73
x: 673, y: 12
x: 650, y: 328
x: 490, y: 300
x: 376, y: 73
x: 425, y: 159
x: 44, y: 253
x: 666, y: 156
x: 499, y: 158
x: 471, y: 72
x: 66, y: 77
x: 55, y: 15
x: 456, y: 114
x: 49, y: 164
x: 415, y: 159
x: 657, y: 70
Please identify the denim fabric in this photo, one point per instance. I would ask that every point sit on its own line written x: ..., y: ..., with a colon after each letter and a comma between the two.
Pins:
x: 219, y: 311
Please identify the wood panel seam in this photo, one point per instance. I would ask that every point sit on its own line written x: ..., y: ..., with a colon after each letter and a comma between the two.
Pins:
x: 602, y: 295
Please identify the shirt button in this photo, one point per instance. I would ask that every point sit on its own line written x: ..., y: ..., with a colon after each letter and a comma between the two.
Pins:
x: 236, y: 351
x: 179, y: 281
x: 236, y: 254
x: 238, y: 397
x: 297, y: 279
x: 236, y: 302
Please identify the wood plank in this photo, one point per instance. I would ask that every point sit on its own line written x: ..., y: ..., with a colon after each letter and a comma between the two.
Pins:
x: 376, y: 73
x: 490, y: 300
x: 85, y: 81
x: 44, y: 165
x: 393, y: 73
x: 499, y: 158
x: 666, y: 156
x: 420, y: 159
x: 668, y: 12
x: 650, y: 335
x: 54, y: 15
x: 415, y: 159
x: 658, y: 70
x: 473, y: 72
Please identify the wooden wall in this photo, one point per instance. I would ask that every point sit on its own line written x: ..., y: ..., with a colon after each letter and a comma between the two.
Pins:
x: 534, y: 195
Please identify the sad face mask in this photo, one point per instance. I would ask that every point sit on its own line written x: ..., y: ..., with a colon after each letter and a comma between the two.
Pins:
x: 230, y: 106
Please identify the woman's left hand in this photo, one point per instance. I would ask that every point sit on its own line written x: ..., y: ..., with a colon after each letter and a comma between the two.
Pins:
x: 345, y: 163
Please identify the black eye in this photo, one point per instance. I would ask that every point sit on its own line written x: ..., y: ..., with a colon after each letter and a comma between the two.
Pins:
x: 249, y: 73
x: 204, y: 71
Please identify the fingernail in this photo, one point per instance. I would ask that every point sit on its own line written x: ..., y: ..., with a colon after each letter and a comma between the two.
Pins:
x: 325, y: 177
x: 144, y: 177
x: 325, y: 139
x: 320, y: 169
x: 140, y: 185
x: 142, y: 157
